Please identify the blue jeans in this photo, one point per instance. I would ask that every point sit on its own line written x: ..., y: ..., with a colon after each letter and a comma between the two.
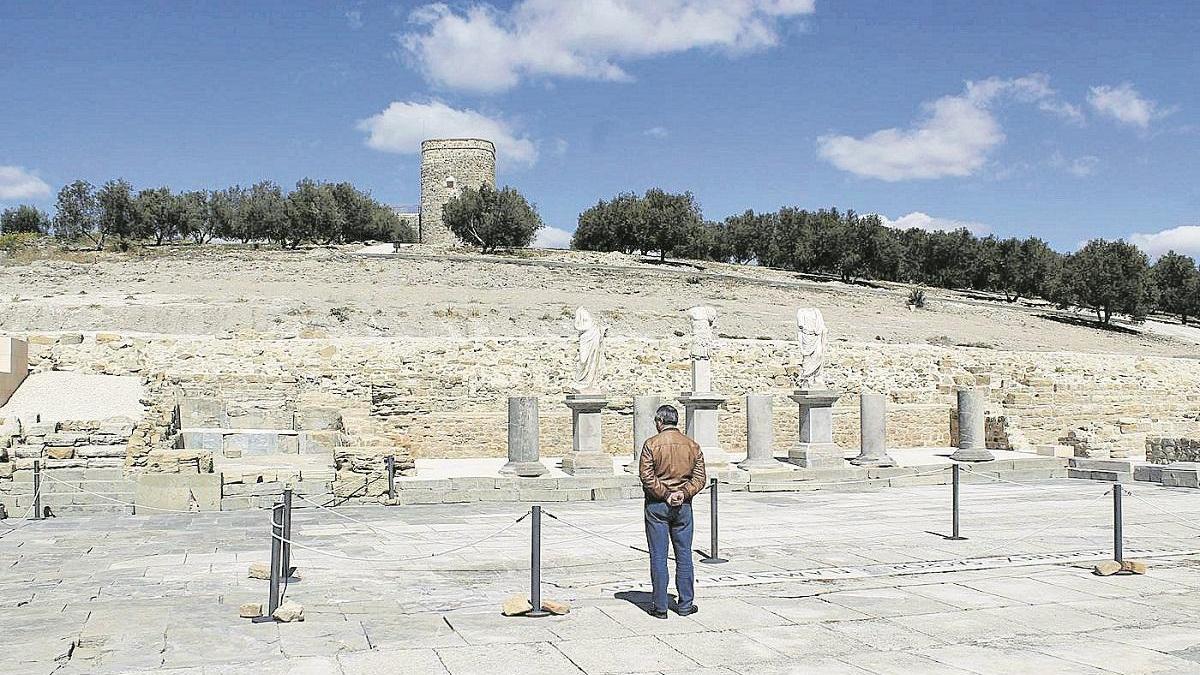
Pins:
x: 675, y: 523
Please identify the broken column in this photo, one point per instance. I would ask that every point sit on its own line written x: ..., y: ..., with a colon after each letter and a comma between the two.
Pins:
x: 523, y: 449
x: 872, y: 424
x: 972, y: 446
x: 587, y: 452
x: 644, y: 408
x: 760, y: 435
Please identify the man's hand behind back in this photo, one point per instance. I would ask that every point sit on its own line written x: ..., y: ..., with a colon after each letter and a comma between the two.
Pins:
x: 675, y: 499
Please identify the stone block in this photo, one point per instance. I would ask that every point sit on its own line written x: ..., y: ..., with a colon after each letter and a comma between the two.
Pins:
x: 289, y: 612
x: 1181, y: 474
x: 498, y: 495
x: 609, y: 493
x: 179, y: 492
x: 558, y: 495
x: 250, y: 610
x: 60, y: 452
x: 207, y: 439
x: 1149, y: 473
x: 318, y: 442
x: 317, y: 419
x: 199, y: 412
x: 288, y: 444
x: 260, y: 570
x: 40, y: 428
x: 458, y: 496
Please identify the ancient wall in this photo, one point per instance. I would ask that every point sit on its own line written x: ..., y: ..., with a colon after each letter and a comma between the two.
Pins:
x: 447, y: 166
x: 444, y: 397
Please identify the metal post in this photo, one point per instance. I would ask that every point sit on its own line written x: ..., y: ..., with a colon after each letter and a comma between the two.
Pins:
x: 285, y: 568
x: 276, y: 554
x: 37, y: 490
x: 714, y: 556
x: 954, y: 489
x: 535, y: 566
x: 391, y: 474
x: 1118, y: 553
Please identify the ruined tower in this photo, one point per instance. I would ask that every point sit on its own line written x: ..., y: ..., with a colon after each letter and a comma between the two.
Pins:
x: 447, y: 166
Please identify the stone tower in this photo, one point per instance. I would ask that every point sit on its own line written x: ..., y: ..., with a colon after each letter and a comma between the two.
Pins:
x: 447, y: 166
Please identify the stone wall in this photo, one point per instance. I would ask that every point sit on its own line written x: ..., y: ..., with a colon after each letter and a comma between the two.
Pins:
x: 446, y: 397
x: 447, y: 166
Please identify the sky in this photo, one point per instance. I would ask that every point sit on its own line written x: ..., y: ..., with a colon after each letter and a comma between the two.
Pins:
x: 1067, y: 120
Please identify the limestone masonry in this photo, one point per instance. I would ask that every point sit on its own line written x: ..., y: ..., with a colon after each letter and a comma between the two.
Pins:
x: 447, y: 166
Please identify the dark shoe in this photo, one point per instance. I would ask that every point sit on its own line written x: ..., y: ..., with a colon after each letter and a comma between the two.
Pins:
x: 687, y: 612
x: 657, y: 614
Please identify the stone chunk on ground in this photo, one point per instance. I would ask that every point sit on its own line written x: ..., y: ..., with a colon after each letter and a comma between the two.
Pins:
x: 289, y: 612
x: 518, y: 605
x: 556, y: 607
x: 250, y: 610
x: 260, y: 570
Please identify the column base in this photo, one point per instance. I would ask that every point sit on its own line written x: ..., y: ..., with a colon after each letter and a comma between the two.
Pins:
x: 817, y: 456
x: 524, y: 469
x: 972, y: 455
x: 764, y: 465
x: 587, y: 464
x: 876, y: 462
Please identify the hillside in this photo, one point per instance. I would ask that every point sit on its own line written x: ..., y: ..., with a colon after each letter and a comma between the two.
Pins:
x: 351, y: 291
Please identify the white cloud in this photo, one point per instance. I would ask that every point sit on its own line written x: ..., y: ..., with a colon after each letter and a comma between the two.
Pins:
x: 354, y: 18
x: 1079, y: 167
x: 656, y: 132
x: 1183, y: 239
x: 552, y: 237
x: 924, y: 221
x: 18, y: 183
x: 952, y: 139
x: 1124, y: 104
x: 402, y: 126
x: 482, y: 48
x: 1068, y: 111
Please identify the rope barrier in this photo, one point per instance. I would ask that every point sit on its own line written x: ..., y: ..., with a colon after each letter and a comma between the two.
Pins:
x: 1051, y: 525
x: 807, y: 483
x: 1011, y: 482
x: 1163, y: 511
x: 426, y: 556
x: 111, y: 499
x: 360, y: 522
x: 26, y: 520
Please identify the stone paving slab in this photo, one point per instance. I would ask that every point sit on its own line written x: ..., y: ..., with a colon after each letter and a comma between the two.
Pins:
x: 160, y: 593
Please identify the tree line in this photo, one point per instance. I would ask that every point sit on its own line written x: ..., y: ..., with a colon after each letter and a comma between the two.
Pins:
x: 1106, y: 277
x: 319, y: 212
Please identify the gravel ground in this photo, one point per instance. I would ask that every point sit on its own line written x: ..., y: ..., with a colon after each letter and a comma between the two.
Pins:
x: 62, y: 395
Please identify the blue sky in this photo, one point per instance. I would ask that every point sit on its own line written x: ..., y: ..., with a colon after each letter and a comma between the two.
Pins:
x: 1067, y: 120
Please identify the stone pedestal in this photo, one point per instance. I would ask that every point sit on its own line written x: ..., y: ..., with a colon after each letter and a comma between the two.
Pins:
x: 701, y: 375
x: 587, y: 453
x: 523, y: 449
x: 644, y: 408
x: 872, y: 424
x: 972, y: 446
x: 700, y: 410
x: 760, y: 436
x: 816, y: 449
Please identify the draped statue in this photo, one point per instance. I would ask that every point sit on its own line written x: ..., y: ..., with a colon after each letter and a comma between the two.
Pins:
x: 591, y: 353
x: 813, y: 337
x: 704, y: 338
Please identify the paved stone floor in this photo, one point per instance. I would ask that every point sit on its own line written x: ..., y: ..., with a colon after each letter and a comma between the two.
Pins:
x: 815, y: 583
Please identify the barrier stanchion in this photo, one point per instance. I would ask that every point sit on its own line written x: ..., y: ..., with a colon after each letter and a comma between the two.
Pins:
x: 714, y: 556
x: 535, y: 566
x: 954, y: 490
x: 277, y: 516
x: 391, y: 475
x: 1118, y: 533
x: 37, y: 490
x: 285, y: 568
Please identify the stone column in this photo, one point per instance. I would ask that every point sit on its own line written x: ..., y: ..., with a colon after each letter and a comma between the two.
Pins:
x: 972, y: 444
x: 760, y: 435
x: 816, y: 449
x: 523, y: 450
x: 587, y: 452
x: 872, y: 425
x: 644, y: 408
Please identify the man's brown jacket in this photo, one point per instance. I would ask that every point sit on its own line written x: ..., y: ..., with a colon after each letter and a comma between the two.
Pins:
x: 671, y: 462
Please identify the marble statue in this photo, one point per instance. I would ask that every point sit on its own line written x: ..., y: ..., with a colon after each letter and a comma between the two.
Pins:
x: 591, y: 353
x: 704, y: 337
x: 813, y: 337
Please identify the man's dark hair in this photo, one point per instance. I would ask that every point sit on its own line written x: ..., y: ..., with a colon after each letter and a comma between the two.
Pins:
x: 667, y: 416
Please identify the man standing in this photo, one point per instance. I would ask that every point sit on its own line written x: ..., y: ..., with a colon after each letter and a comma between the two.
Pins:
x: 672, y: 472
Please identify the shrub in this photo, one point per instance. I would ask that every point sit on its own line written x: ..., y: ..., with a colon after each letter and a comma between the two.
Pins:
x: 916, y: 298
